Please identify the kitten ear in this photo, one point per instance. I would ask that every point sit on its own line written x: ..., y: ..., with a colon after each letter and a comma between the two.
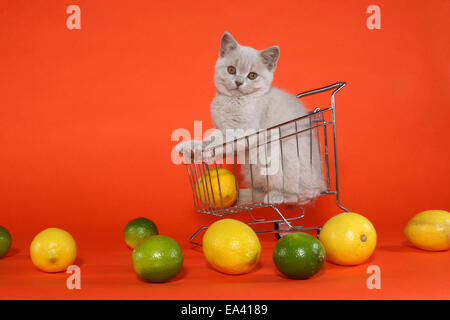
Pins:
x: 227, y: 43
x: 270, y: 57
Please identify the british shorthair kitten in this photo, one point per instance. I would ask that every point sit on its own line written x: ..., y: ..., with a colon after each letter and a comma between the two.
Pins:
x: 246, y: 100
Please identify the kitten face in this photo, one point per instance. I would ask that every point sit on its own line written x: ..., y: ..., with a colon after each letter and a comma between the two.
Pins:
x: 243, y: 70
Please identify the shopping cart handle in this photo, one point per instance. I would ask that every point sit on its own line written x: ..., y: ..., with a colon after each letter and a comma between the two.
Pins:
x: 338, y: 85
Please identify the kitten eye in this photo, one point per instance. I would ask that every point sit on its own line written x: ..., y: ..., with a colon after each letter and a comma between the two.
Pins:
x: 231, y: 70
x: 252, y: 75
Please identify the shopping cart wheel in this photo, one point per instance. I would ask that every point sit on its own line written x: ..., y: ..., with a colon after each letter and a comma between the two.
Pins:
x: 278, y: 235
x: 276, y: 226
x: 318, y: 232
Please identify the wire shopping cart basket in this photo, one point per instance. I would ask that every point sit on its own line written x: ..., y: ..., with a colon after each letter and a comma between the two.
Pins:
x: 204, y: 166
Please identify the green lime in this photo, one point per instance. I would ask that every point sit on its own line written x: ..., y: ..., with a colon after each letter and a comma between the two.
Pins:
x: 137, y: 230
x: 299, y: 255
x: 5, y: 241
x: 158, y: 259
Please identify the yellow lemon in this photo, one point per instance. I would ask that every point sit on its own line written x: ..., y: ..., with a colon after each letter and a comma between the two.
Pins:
x: 223, y: 185
x: 231, y: 246
x: 429, y: 230
x: 349, y: 238
x: 53, y: 250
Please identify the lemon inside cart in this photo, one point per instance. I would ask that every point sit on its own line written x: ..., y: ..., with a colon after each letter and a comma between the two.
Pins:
x: 210, y: 169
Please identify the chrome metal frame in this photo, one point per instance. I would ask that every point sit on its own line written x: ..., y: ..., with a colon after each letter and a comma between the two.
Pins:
x: 319, y: 120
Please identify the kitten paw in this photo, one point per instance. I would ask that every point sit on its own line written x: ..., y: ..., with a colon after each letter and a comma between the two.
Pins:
x: 190, y: 146
x: 274, y: 197
x: 194, y: 150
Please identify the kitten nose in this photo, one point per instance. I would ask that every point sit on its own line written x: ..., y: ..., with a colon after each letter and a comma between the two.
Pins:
x: 238, y: 83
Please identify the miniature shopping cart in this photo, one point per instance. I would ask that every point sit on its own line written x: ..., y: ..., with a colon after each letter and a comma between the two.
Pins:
x: 206, y: 164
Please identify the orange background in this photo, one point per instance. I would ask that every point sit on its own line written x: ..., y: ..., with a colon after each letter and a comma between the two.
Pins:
x: 86, y: 118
